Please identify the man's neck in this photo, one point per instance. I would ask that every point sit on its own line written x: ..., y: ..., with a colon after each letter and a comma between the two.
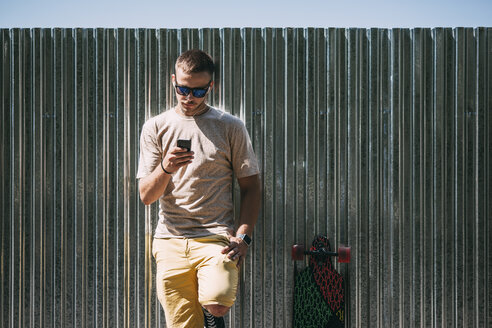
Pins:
x: 197, y: 112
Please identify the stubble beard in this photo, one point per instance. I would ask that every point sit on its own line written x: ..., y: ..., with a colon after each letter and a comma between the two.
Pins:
x: 192, y: 110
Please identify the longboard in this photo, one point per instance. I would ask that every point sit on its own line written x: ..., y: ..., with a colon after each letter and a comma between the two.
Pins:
x: 319, y: 290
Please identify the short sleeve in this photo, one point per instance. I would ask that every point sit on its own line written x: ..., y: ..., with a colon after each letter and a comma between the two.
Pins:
x: 244, y: 162
x: 150, y: 152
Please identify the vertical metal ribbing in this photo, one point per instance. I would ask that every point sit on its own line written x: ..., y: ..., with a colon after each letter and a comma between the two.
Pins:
x: 375, y: 246
x: 151, y: 101
x: 478, y: 222
x: 22, y: 143
x: 361, y: 278
x: 339, y: 128
x: 471, y: 218
x: 352, y: 155
x: 434, y: 117
x: 487, y: 176
x: 283, y: 286
x: 359, y: 213
x: 405, y: 157
x: 244, y: 303
x: 290, y: 195
x: 331, y: 133
x: 96, y: 120
x: 308, y: 129
x: 130, y: 198
x: 38, y: 228
x: 299, y: 132
x: 92, y: 177
x: 136, y: 111
x: 413, y: 150
x: 459, y: 178
x: 108, y: 170
x: 383, y: 157
x: 391, y: 139
x: 319, y: 117
x: 33, y: 290
x: 267, y: 109
x: 422, y: 104
x: 5, y: 183
x: 256, y: 315
x: 78, y: 181
x: 118, y: 167
x: 483, y: 194
x: 378, y: 138
x: 421, y: 58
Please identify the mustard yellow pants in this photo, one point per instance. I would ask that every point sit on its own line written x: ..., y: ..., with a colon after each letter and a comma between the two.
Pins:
x: 192, y: 272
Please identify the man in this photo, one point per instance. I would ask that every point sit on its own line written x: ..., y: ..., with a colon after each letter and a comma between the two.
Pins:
x: 196, y: 249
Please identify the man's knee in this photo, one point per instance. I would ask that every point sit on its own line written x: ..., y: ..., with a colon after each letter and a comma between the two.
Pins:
x: 217, y: 310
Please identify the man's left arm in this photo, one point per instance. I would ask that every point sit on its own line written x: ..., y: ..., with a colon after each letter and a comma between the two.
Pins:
x: 248, y: 215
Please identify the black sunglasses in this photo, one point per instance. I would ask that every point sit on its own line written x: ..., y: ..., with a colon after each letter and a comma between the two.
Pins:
x: 197, y: 92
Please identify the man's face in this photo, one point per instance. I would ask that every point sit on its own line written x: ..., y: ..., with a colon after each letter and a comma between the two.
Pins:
x: 189, y: 104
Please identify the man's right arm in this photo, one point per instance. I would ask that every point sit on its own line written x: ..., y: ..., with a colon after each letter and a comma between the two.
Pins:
x: 153, y: 185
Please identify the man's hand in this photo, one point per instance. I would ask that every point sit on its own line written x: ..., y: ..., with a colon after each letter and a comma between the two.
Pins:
x: 236, y: 250
x: 176, y: 158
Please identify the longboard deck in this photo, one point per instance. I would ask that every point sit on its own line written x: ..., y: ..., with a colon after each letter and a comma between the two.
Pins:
x: 319, y: 299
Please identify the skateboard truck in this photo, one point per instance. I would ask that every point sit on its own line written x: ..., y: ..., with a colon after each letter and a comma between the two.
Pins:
x: 343, y: 254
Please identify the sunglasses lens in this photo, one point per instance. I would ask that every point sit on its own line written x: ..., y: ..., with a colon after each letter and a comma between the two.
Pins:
x: 184, y: 91
x: 199, y: 93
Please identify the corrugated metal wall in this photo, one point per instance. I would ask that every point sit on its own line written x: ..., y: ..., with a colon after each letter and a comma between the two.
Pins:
x: 379, y: 138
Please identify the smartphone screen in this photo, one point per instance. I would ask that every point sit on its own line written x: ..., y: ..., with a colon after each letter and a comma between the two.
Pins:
x: 184, y: 143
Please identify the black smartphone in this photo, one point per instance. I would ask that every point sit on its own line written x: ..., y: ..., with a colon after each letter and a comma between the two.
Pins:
x: 183, y: 143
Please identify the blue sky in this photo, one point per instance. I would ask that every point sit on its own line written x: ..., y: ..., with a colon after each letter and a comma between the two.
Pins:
x: 248, y: 13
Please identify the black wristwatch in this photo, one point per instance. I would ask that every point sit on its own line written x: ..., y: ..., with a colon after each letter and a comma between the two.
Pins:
x: 245, y: 238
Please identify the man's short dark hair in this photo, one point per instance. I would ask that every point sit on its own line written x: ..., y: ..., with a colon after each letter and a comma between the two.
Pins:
x: 196, y: 61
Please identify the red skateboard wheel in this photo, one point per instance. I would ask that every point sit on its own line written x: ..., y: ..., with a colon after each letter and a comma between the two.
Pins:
x: 298, y: 252
x: 344, y: 254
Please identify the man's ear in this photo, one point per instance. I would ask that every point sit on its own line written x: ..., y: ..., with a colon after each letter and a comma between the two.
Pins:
x: 173, y: 78
x: 210, y: 88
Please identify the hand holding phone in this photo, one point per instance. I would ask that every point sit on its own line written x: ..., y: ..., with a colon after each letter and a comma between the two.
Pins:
x: 176, y: 158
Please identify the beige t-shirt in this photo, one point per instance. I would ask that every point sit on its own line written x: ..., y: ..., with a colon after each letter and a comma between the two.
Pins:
x: 198, y: 199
